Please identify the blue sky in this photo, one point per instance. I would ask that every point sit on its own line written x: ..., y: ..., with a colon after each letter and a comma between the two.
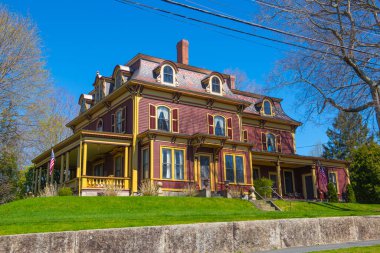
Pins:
x: 81, y: 37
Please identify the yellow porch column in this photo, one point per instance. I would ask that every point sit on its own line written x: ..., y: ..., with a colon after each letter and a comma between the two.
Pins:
x: 314, y: 179
x: 126, y: 167
x: 79, y: 172
x: 84, y: 166
x: 279, y: 185
x: 251, y: 166
x: 61, y: 171
x: 151, y: 160
x: 67, y: 166
x: 136, y: 100
x: 39, y: 179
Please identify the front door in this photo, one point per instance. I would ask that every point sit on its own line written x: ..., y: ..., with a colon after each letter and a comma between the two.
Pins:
x: 204, y: 162
x: 309, y: 187
x: 288, y: 178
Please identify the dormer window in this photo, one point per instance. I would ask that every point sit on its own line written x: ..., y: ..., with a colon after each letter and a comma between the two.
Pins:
x: 267, y: 108
x: 163, y: 118
x: 168, y: 75
x: 99, y: 125
x: 119, y: 80
x: 215, y: 85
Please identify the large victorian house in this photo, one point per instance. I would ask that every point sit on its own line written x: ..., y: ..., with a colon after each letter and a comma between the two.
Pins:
x: 170, y: 122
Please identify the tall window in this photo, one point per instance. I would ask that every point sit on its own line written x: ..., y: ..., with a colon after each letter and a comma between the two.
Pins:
x: 332, y: 179
x: 267, y: 108
x: 172, y: 164
x: 168, y: 74
x: 118, y: 166
x: 166, y: 163
x: 163, y: 118
x: 219, y: 126
x: 145, y: 163
x: 119, y: 121
x: 234, y: 168
x: 215, y: 85
x: 178, y: 163
x: 271, y: 143
x: 99, y: 126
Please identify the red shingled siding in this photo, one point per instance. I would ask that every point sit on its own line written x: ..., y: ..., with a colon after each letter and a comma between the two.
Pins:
x: 107, y: 118
x: 191, y: 119
x: 254, y: 136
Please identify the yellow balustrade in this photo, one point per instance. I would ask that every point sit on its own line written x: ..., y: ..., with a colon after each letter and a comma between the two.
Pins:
x: 105, y: 182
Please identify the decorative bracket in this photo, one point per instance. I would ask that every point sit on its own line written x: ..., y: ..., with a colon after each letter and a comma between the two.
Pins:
x: 176, y: 97
x: 210, y: 103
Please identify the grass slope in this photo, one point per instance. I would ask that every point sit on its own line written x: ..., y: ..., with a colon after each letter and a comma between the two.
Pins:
x: 77, y: 213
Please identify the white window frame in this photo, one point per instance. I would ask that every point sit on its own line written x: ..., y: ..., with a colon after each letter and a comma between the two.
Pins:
x: 169, y: 119
x: 163, y: 74
x: 220, y: 85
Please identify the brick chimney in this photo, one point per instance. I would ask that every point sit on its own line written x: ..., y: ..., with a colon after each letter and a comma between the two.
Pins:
x: 232, y: 82
x: 183, y: 52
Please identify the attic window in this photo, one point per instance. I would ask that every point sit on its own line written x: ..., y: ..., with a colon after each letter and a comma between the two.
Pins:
x: 168, y: 74
x: 215, y: 85
x: 267, y: 108
x: 119, y: 80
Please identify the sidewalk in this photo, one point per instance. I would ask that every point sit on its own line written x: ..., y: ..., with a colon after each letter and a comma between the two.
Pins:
x: 325, y: 247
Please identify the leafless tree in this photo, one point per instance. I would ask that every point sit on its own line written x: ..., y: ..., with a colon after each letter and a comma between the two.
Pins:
x: 242, y: 81
x: 344, y: 71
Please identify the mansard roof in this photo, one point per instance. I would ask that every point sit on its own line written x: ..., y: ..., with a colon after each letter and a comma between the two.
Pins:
x: 143, y: 68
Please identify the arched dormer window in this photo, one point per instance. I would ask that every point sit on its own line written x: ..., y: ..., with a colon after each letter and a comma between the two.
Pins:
x: 119, y: 80
x: 267, y: 108
x: 271, y: 143
x: 99, y: 125
x: 168, y: 74
x: 220, y: 126
x: 163, y: 118
x: 215, y: 85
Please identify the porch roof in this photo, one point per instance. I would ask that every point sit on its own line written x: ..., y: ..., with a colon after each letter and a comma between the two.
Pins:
x: 295, y: 160
x: 87, y: 136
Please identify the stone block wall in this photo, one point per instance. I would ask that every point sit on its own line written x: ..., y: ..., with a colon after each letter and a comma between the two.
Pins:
x: 244, y: 236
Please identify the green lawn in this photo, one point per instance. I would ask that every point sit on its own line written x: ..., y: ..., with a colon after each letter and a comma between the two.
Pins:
x: 76, y: 213
x: 366, y: 249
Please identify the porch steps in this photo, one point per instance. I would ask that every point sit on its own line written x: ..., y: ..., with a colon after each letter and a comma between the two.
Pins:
x: 263, y: 205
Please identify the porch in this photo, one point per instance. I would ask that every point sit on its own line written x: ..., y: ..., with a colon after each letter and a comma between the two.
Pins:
x: 298, y: 177
x: 89, y: 163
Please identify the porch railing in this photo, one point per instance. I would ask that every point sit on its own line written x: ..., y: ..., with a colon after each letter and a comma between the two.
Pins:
x: 105, y: 182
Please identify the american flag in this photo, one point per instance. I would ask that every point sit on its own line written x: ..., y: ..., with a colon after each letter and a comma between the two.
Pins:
x: 323, y: 177
x: 52, y: 161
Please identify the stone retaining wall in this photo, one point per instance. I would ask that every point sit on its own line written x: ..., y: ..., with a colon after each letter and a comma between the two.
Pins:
x: 245, y: 236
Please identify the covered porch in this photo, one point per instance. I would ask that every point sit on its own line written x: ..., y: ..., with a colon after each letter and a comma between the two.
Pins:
x: 88, y: 162
x: 298, y: 177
